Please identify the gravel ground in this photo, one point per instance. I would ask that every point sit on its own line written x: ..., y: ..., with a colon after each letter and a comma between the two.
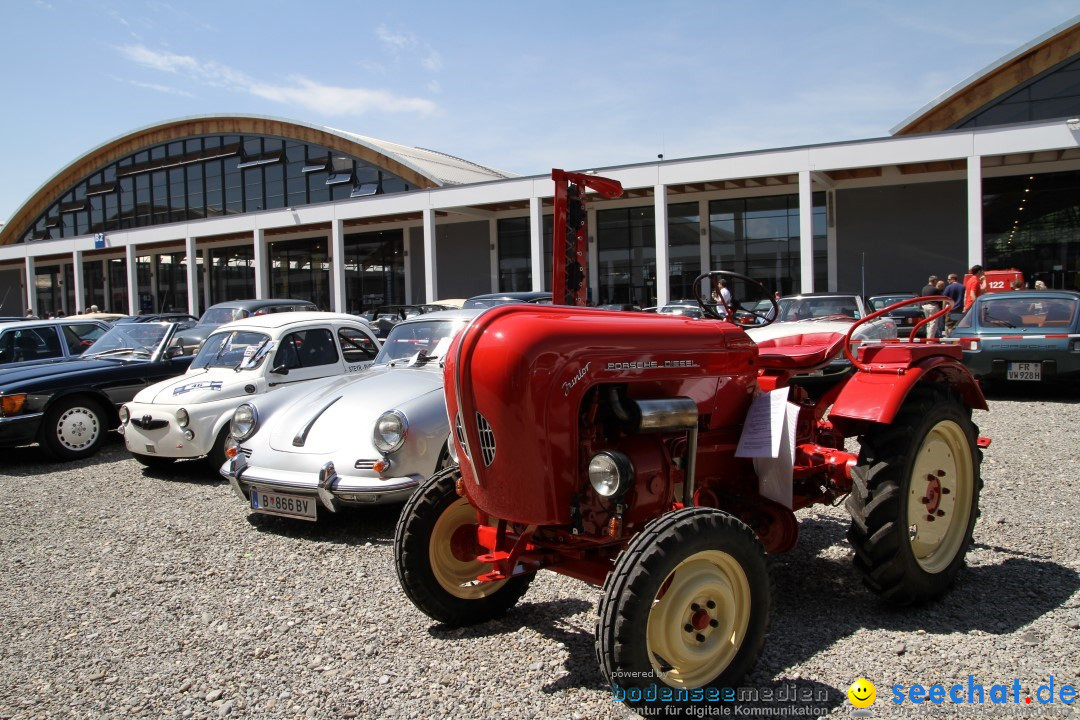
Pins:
x: 132, y: 593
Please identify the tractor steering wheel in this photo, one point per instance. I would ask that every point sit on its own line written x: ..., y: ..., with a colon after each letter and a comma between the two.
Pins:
x: 734, y: 312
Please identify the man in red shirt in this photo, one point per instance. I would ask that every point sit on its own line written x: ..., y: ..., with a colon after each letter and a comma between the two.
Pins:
x: 974, y: 285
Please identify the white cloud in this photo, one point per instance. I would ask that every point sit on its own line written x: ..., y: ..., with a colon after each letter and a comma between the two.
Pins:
x: 434, y: 87
x: 406, y: 42
x: 162, y: 88
x: 297, y: 91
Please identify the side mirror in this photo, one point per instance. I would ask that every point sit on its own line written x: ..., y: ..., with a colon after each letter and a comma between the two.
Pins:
x: 280, y: 370
x: 175, y: 351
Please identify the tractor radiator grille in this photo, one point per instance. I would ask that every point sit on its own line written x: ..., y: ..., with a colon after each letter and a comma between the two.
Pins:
x: 460, y: 431
x: 487, y: 440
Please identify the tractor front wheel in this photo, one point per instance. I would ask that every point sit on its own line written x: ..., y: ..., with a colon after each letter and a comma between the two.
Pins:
x: 686, y: 606
x: 915, y: 497
x: 435, y: 553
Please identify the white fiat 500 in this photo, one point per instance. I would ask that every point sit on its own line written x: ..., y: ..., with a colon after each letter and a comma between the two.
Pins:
x: 350, y: 441
x: 188, y: 416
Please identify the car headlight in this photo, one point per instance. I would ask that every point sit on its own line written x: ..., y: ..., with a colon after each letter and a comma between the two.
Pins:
x: 182, y: 418
x: 125, y: 414
x: 244, y: 421
x: 610, y: 473
x: 390, y: 431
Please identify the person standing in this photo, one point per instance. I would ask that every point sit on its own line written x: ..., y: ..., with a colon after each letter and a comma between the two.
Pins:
x: 974, y: 285
x: 929, y: 308
x: 955, y: 292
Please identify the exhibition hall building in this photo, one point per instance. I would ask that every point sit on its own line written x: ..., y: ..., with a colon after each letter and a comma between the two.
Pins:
x: 199, y: 210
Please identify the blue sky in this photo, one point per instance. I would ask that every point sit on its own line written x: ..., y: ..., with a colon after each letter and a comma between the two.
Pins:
x: 519, y: 86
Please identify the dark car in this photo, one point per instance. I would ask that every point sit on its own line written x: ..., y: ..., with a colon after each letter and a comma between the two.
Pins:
x: 216, y: 315
x: 37, y: 342
x: 69, y: 406
x: 905, y: 317
x: 1023, y: 336
x: 493, y: 299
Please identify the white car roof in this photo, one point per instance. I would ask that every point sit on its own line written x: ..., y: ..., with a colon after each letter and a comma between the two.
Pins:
x: 284, y: 320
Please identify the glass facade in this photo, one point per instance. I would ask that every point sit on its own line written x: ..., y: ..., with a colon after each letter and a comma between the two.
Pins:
x: 759, y: 237
x: 684, y: 249
x: 300, y: 269
x: 1050, y: 95
x: 48, y: 286
x: 118, y: 289
x: 208, y: 176
x: 374, y: 269
x: 232, y: 273
x: 1031, y: 222
x: 626, y: 249
x: 172, y: 293
x: 515, y: 254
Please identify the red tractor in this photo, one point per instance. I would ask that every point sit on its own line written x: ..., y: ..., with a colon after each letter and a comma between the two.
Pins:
x: 605, y: 446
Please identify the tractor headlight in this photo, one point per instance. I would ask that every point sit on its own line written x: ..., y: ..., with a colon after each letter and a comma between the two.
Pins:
x: 182, y: 418
x: 610, y: 473
x: 244, y: 421
x: 124, y: 414
x: 390, y: 431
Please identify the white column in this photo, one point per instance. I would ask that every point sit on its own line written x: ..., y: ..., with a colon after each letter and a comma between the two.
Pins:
x: 205, y: 278
x: 31, y: 286
x: 975, y: 210
x: 594, y: 257
x: 262, y: 266
x: 192, y: 276
x: 337, y: 265
x: 493, y: 243
x: 407, y: 264
x: 132, y: 280
x: 661, y: 232
x: 536, y: 242
x: 431, y: 282
x: 830, y: 229
x: 806, y: 231
x: 79, y: 279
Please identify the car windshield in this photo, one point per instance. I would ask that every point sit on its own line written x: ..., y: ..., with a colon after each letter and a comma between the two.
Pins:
x: 684, y: 310
x: 796, y: 308
x: 220, y: 316
x: 1027, y: 312
x: 240, y: 349
x: 134, y: 339
x: 407, y: 339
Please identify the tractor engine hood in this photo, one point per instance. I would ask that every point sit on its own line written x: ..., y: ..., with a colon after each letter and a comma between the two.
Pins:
x: 516, y: 377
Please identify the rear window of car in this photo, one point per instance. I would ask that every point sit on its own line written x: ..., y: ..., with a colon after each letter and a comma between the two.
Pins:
x: 220, y: 316
x: 407, y: 339
x: 356, y: 346
x: 1027, y: 312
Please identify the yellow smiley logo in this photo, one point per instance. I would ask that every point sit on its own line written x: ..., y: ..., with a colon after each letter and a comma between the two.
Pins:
x: 862, y: 693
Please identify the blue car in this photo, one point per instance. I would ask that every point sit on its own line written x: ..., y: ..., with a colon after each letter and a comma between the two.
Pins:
x: 1023, y: 336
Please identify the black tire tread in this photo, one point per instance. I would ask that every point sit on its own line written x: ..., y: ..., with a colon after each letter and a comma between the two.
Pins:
x: 634, y: 574
x: 878, y: 532
x: 411, y: 538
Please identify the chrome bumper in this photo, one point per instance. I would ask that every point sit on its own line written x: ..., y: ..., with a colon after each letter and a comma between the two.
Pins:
x: 332, y: 489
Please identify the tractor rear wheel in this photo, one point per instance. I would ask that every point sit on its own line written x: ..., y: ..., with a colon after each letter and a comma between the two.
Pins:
x: 435, y: 552
x: 686, y: 606
x: 915, y: 498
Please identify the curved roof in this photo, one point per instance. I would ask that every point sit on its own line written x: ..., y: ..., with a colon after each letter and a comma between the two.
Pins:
x: 1001, y: 76
x: 417, y: 166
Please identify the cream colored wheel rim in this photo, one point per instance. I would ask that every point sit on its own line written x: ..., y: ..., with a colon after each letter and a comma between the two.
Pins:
x: 456, y: 576
x: 698, y: 619
x: 939, y: 497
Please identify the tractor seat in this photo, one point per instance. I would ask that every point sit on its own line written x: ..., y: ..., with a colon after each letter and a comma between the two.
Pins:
x: 803, y: 351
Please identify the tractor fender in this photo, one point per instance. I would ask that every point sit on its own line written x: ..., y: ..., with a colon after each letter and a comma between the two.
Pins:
x: 878, y: 396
